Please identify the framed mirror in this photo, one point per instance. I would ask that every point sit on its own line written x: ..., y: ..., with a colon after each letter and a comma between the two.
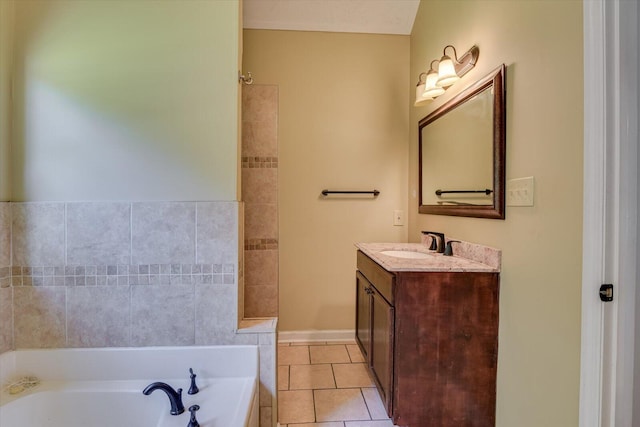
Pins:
x: 462, y: 152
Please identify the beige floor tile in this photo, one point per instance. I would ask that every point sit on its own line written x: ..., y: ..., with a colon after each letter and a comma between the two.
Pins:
x: 333, y: 424
x: 386, y: 423
x: 309, y: 343
x: 329, y: 354
x: 340, y: 405
x: 355, y: 354
x: 293, y: 355
x: 311, y: 377
x: 295, y: 407
x: 352, y: 375
x: 283, y: 377
x: 374, y: 403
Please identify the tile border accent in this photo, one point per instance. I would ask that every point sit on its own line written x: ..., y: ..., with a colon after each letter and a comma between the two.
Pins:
x: 260, y: 244
x: 119, y: 275
x: 253, y: 162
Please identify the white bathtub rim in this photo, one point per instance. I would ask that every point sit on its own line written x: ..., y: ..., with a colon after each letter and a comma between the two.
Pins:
x: 129, y: 363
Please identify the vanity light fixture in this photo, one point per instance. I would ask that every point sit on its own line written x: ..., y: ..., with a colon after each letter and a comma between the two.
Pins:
x: 427, y: 90
x: 431, y: 87
x: 450, y: 70
x: 420, y: 98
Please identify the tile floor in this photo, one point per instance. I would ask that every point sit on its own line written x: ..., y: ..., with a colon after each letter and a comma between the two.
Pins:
x: 326, y: 385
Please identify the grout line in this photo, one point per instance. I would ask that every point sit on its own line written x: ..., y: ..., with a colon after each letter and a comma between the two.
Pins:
x: 130, y: 233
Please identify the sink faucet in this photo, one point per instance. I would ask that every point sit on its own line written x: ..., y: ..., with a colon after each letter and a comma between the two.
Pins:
x: 175, y: 396
x: 437, y: 241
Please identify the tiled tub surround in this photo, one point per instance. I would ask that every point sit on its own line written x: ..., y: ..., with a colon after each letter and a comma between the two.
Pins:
x: 124, y: 274
x: 6, y: 293
x: 260, y: 194
x: 119, y: 274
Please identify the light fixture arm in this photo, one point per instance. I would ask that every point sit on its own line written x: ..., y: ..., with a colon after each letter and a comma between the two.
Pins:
x: 422, y: 78
x: 246, y: 80
x: 431, y: 69
x: 466, y: 62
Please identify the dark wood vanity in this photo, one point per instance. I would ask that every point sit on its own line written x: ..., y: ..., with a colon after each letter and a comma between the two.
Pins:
x: 430, y: 339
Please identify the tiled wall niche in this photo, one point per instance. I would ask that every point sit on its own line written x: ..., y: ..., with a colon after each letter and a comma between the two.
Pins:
x: 260, y: 195
x: 114, y: 274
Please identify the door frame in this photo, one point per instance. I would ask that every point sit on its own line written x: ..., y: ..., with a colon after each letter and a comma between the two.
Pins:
x: 610, y: 210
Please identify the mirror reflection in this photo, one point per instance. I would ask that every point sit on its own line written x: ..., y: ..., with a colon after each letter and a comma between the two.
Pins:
x: 462, y: 153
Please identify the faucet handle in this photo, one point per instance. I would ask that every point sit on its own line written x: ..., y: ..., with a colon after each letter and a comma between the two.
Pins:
x: 192, y: 421
x: 435, y: 245
x: 448, y: 251
x: 194, y: 388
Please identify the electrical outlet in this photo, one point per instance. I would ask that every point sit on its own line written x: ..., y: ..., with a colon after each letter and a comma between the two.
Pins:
x: 398, y: 217
x: 520, y: 192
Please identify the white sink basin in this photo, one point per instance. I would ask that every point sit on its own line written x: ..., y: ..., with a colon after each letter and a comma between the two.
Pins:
x: 406, y: 254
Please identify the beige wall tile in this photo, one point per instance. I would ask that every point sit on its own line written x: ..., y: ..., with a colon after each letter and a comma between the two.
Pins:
x: 260, y: 185
x: 260, y: 103
x: 261, y: 221
x: 259, y: 139
x: 260, y: 301
x: 261, y: 268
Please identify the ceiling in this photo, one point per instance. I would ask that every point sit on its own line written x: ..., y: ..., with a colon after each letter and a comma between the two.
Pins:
x: 345, y: 16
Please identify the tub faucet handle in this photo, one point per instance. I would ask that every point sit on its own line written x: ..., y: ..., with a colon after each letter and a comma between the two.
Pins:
x: 192, y: 421
x: 194, y: 388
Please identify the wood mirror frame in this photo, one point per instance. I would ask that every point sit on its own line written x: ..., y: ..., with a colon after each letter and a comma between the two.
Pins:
x: 496, y: 80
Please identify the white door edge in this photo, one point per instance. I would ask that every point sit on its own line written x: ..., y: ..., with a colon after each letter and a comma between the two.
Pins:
x: 610, y: 216
x: 593, y: 214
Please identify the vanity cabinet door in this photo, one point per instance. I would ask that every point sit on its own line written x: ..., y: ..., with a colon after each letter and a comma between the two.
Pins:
x: 363, y: 314
x: 374, y: 334
x: 381, y: 358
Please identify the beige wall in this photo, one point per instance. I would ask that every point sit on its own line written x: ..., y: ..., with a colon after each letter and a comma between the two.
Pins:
x: 343, y: 124
x: 6, y: 36
x: 541, y: 44
x: 125, y: 100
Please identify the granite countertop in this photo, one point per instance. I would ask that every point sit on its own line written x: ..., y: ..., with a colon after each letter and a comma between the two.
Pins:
x: 470, y: 258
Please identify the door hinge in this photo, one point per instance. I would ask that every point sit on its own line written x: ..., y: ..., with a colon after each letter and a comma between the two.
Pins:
x: 606, y: 292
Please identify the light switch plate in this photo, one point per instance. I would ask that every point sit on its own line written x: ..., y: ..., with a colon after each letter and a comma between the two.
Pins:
x: 398, y: 217
x: 520, y: 192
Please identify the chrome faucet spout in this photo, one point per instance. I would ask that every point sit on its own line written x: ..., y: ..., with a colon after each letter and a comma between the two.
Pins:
x: 175, y: 396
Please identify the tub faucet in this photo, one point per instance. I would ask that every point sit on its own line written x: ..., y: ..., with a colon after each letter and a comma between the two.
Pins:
x: 175, y: 396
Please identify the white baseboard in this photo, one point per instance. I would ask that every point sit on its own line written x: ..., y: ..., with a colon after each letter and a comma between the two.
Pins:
x: 339, y: 335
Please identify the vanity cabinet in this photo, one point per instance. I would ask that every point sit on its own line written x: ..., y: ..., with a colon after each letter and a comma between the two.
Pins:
x: 430, y: 340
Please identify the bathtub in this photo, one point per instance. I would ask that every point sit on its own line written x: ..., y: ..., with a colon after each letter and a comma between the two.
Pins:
x: 103, y: 387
